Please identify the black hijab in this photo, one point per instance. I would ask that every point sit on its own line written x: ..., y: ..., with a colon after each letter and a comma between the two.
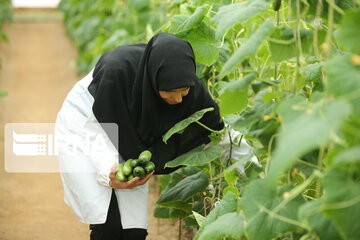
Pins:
x: 126, y: 84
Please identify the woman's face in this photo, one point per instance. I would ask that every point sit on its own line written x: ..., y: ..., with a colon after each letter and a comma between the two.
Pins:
x: 174, y: 96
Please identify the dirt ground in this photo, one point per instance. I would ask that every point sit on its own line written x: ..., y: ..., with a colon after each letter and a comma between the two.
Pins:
x: 38, y: 69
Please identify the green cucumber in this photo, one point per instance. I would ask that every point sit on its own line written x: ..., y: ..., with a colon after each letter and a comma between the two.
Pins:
x: 120, y: 176
x: 149, y: 167
x: 139, y: 172
x: 145, y: 156
x: 134, y: 163
x: 127, y: 169
x: 276, y: 5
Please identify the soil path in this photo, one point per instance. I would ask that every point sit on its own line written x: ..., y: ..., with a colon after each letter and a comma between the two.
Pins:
x: 37, y: 72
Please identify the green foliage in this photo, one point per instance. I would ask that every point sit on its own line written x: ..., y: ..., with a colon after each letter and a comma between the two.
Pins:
x: 259, y: 204
x: 248, y: 48
x: 288, y: 80
x: 341, y: 201
x: 5, y: 16
x: 229, y: 225
x: 197, y: 157
x: 306, y: 126
x: 180, y: 126
x: 184, y: 190
x: 229, y: 15
x: 348, y: 35
x: 233, y: 95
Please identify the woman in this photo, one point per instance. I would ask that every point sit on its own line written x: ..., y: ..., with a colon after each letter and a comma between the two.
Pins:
x: 145, y: 89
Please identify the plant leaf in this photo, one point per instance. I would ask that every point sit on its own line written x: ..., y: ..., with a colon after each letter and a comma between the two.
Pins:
x: 343, y: 79
x: 232, y: 102
x: 306, y: 126
x: 241, y: 84
x: 248, y: 48
x: 310, y: 212
x: 180, y: 126
x: 342, y: 201
x: 184, y: 189
x: 229, y: 225
x: 172, y: 213
x: 229, y: 15
x: 194, y: 20
x: 197, y: 157
x: 349, y: 35
x: 261, y: 225
x: 199, y: 218
x: 228, y: 204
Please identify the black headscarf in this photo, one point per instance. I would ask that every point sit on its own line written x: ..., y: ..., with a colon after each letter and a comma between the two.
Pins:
x: 126, y: 84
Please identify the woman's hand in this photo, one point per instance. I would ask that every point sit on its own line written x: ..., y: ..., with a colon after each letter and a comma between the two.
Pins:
x: 136, y: 181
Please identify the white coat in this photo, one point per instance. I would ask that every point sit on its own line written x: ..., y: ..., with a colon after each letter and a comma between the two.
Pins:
x: 87, y: 192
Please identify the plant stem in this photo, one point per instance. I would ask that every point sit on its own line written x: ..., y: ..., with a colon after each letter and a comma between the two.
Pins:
x: 209, y: 129
x: 317, y: 21
x: 335, y: 7
x: 282, y: 218
x: 330, y: 26
x: 298, y: 45
x: 296, y: 191
x: 320, y: 163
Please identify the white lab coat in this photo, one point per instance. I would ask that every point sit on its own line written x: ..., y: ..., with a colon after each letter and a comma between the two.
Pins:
x: 87, y: 191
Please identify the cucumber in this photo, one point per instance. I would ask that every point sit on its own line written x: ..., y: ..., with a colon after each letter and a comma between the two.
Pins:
x: 276, y: 5
x: 145, y: 156
x: 127, y: 169
x: 139, y: 172
x: 120, y: 176
x: 149, y: 167
x: 120, y: 166
x: 134, y: 163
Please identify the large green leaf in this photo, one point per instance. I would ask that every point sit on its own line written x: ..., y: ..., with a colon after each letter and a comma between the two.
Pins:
x: 259, y: 198
x: 348, y: 156
x: 172, y: 213
x: 229, y: 225
x: 180, y: 126
x: 341, y: 201
x: 228, y: 204
x: 232, y: 102
x: 248, y: 48
x: 344, y: 79
x: 306, y: 126
x: 197, y: 157
x: 282, y: 42
x: 169, y: 181
x: 205, y: 52
x: 311, y: 72
x: 184, y: 189
x: 229, y: 15
x: 241, y: 84
x: 233, y: 95
x: 201, y: 37
x: 310, y: 213
x: 194, y: 20
x: 343, y: 75
x: 348, y: 34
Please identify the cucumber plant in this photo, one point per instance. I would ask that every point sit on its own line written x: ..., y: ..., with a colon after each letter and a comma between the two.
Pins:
x: 286, y: 77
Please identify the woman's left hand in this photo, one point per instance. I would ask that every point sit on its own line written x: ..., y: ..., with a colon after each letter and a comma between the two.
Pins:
x: 136, y: 181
